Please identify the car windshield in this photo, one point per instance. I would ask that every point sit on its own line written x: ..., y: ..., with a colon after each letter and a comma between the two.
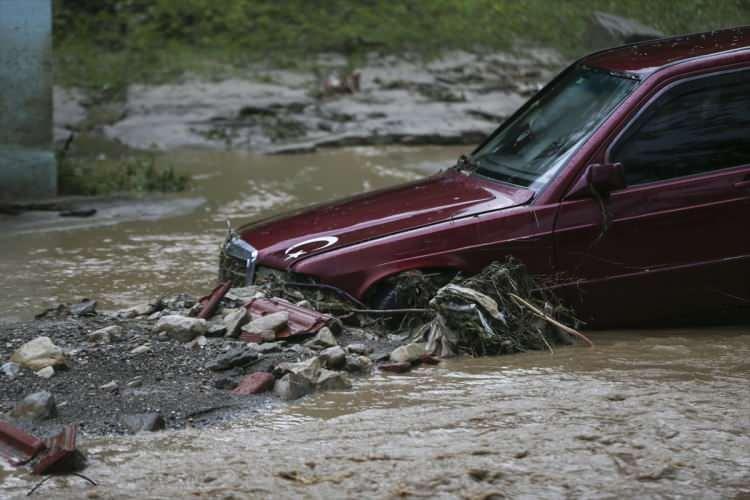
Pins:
x: 530, y: 149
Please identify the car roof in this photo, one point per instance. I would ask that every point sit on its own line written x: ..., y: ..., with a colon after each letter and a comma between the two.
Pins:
x: 645, y: 58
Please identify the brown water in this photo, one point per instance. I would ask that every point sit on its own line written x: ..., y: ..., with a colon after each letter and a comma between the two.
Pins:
x: 62, y: 260
x: 644, y: 414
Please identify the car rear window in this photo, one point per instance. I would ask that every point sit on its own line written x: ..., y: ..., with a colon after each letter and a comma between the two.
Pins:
x: 696, y: 127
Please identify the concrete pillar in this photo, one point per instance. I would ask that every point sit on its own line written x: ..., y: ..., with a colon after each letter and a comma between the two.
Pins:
x: 27, y: 161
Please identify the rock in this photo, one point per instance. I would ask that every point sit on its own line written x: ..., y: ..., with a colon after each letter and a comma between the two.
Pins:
x: 225, y: 383
x: 395, y: 367
x: 84, y: 308
x: 608, y: 30
x: 38, y: 353
x: 37, y: 406
x: 140, y: 422
x: 135, y: 382
x: 10, y: 369
x: 243, y: 294
x: 139, y: 310
x: 358, y: 348
x: 109, y: 386
x: 309, y: 369
x: 181, y: 328
x: 267, y: 326
x: 299, y: 349
x: 197, y: 343
x: 178, y: 302
x: 408, y: 353
x: 333, y: 358
x: 358, y: 364
x: 266, y: 347
x: 322, y: 340
x: 239, y: 356
x: 47, y: 372
x: 329, y: 380
x: 155, y: 316
x: 292, y: 386
x: 105, y: 335
x: 255, y: 383
x: 140, y: 349
x: 216, y: 329
x: 234, y: 321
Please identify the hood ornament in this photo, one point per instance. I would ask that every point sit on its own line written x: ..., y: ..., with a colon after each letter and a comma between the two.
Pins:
x: 296, y: 251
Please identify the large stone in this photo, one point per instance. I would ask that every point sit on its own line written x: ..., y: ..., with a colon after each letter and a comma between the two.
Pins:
x: 139, y: 422
x: 268, y: 324
x: 38, y: 353
x: 255, y: 383
x: 105, y: 335
x: 181, y: 328
x: 244, y: 294
x: 10, y: 369
x: 329, y: 380
x: 216, y: 329
x: 358, y: 348
x: 358, y: 364
x: 322, y: 340
x: 292, y: 386
x: 234, y: 321
x: 84, y: 308
x: 139, y: 310
x: 239, y: 356
x: 140, y: 349
x: 309, y: 369
x: 408, y: 353
x: 37, y: 406
x: 48, y: 372
x: 333, y: 358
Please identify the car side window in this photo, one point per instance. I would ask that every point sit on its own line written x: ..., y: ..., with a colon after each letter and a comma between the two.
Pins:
x: 696, y: 127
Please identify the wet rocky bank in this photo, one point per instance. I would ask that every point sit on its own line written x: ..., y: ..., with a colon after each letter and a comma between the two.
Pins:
x: 456, y: 98
x: 102, y: 370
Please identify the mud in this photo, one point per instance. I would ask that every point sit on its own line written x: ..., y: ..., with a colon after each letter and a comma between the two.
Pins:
x: 647, y: 415
x: 457, y: 98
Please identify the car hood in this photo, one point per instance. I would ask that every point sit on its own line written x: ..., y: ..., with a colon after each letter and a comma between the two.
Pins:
x: 285, y: 239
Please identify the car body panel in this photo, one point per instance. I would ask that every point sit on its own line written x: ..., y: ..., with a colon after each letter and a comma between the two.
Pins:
x: 443, y: 197
x: 673, y: 250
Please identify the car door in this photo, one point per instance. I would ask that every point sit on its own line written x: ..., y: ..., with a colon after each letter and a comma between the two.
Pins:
x: 673, y: 245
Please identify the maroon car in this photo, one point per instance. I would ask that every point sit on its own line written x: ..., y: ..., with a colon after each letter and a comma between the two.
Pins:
x: 627, y: 179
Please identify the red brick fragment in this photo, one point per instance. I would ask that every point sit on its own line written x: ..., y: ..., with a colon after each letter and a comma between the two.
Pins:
x: 255, y: 383
x: 396, y: 367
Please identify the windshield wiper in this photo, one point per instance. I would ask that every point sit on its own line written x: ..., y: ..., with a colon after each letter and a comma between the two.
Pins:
x: 466, y: 164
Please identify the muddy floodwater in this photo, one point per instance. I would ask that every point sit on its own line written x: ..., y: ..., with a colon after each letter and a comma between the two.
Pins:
x: 44, y: 262
x: 644, y: 414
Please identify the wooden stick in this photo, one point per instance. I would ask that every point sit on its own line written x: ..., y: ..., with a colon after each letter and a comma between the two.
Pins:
x: 539, y: 313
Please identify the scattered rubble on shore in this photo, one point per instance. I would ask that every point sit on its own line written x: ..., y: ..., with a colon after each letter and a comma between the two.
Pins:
x: 158, y: 365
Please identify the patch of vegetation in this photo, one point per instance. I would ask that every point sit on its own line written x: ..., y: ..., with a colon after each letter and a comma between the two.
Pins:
x: 129, y: 175
x: 108, y: 44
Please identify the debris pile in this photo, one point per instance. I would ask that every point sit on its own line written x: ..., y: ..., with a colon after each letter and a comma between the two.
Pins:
x: 170, y: 362
x: 501, y: 310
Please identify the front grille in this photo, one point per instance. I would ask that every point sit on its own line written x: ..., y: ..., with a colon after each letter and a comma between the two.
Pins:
x: 231, y: 269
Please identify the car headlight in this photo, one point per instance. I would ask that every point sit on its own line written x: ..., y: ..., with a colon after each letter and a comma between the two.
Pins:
x: 237, y: 260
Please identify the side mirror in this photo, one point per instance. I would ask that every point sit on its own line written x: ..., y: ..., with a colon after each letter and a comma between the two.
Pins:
x: 598, y: 179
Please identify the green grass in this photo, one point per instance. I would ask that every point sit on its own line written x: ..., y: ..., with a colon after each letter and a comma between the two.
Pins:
x: 106, y: 45
x: 135, y: 174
